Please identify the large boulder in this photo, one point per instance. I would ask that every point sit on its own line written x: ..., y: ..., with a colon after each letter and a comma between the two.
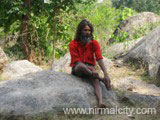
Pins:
x: 134, y: 23
x: 47, y: 93
x: 138, y: 20
x: 147, y: 52
x: 135, y: 85
x: 140, y: 100
x: 3, y: 58
x: 62, y: 65
x: 17, y: 69
x: 119, y: 49
x: 137, y: 93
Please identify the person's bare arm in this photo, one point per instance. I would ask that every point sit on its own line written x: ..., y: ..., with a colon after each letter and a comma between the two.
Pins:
x: 102, y: 66
x: 106, y: 77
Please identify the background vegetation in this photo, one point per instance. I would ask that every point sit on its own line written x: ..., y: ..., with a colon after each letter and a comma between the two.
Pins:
x: 40, y: 31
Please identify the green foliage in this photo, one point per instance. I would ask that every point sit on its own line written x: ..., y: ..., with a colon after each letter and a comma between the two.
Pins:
x: 125, y: 13
x: 15, y: 51
x: 142, y: 31
x: 121, y: 37
x: 41, y: 35
x: 63, y: 37
x: 103, y: 17
x: 10, y: 12
x: 41, y: 23
x: 137, y: 33
x: 67, y: 15
x: 139, y: 5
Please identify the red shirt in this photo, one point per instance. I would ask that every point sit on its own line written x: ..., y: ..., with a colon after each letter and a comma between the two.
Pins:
x: 88, y: 53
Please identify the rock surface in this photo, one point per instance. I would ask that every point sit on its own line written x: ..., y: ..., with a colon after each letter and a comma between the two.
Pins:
x: 119, y: 49
x: 146, y: 51
x: 3, y: 58
x: 137, y: 92
x: 48, y: 92
x: 139, y: 100
x: 18, y: 69
x: 136, y: 86
x: 137, y: 21
x: 62, y: 65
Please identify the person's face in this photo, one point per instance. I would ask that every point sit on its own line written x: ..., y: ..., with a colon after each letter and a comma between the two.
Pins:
x: 86, y: 31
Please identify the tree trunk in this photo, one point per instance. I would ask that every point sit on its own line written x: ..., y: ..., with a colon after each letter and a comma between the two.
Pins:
x: 25, y: 32
x: 54, y: 36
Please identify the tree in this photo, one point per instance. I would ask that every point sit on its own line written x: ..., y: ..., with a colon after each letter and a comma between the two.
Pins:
x: 61, y: 6
x: 139, y: 5
x: 27, y: 10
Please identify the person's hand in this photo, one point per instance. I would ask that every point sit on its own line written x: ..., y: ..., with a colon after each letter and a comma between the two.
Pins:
x: 107, y: 82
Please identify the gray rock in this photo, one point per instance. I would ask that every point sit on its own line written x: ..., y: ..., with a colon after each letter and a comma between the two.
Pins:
x: 107, y: 62
x: 139, y: 100
x: 137, y: 21
x: 49, y: 92
x: 137, y: 92
x: 134, y: 85
x: 147, y: 52
x: 3, y: 58
x: 119, y: 49
x: 17, y: 69
x: 62, y: 65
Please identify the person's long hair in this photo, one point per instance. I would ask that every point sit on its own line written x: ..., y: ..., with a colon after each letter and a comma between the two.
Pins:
x: 81, y: 25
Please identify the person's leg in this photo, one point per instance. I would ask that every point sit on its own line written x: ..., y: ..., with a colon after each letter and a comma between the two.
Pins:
x: 82, y: 69
x: 98, y: 92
